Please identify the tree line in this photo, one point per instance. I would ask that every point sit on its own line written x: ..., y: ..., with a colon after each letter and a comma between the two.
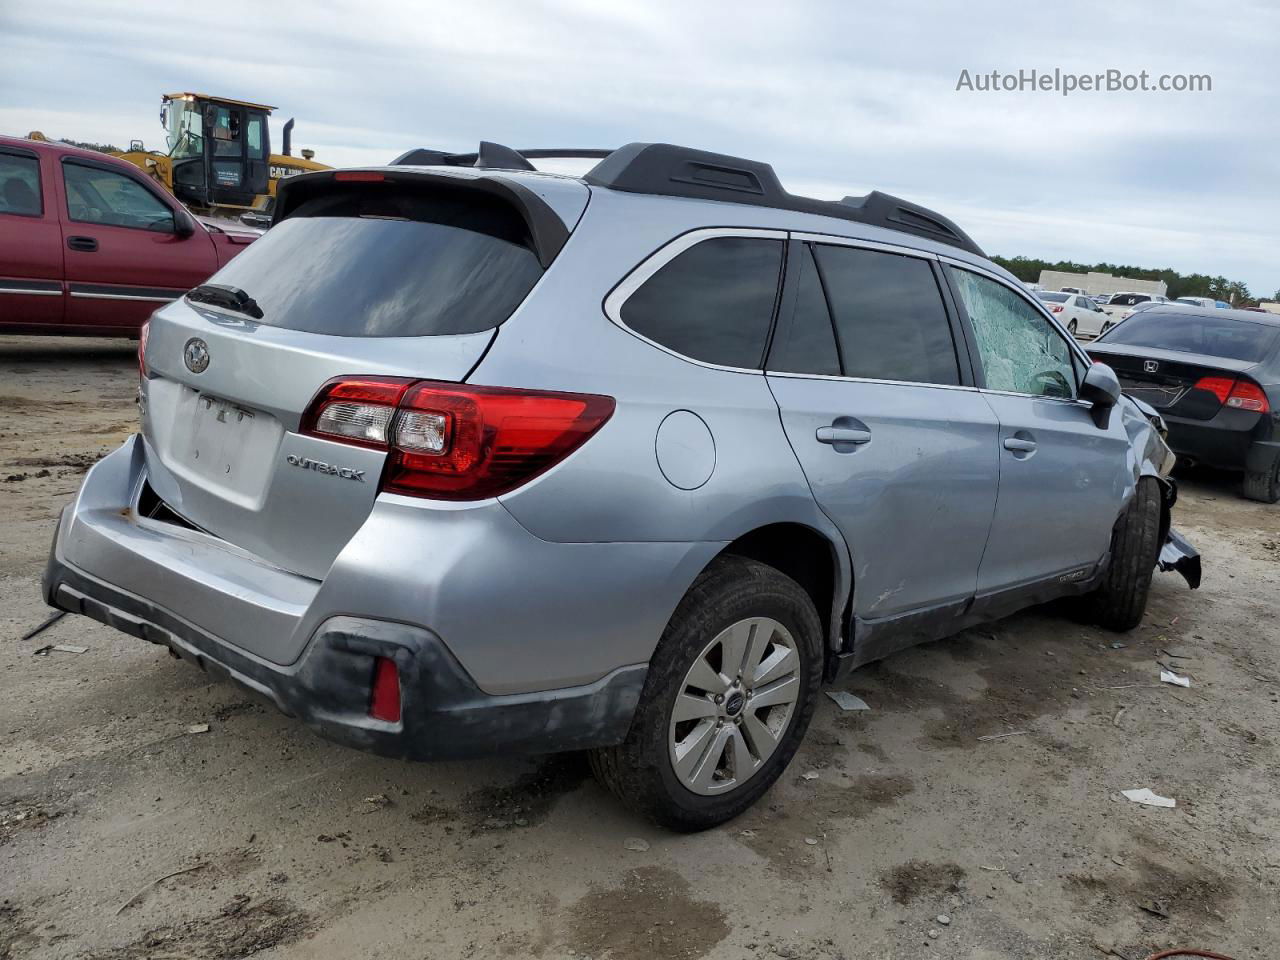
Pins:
x: 1192, y: 285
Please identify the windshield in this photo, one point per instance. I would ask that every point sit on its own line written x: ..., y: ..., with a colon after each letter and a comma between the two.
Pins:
x: 1054, y: 297
x: 182, y: 129
x: 1183, y: 333
x: 380, y: 264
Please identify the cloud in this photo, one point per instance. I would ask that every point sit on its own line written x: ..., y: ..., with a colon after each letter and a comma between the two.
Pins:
x: 846, y: 96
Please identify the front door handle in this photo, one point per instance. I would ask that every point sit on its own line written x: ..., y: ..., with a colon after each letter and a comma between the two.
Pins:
x: 83, y: 244
x: 1019, y: 445
x: 842, y: 435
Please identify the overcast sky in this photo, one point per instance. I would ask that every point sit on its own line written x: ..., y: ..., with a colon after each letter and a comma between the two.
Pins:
x: 841, y: 97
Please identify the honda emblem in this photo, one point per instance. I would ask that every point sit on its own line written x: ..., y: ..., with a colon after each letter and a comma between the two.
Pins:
x: 1150, y: 366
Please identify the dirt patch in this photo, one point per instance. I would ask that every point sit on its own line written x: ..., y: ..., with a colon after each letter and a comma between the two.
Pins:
x: 650, y: 916
x: 18, y: 814
x: 917, y: 879
x: 16, y: 935
x: 1186, y: 892
x: 526, y: 802
x: 240, y: 929
x: 79, y: 462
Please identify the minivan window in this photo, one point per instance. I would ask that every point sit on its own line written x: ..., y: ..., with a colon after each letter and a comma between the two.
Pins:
x: 805, y: 342
x: 390, y: 263
x: 20, y: 185
x: 1020, y: 349
x: 1208, y: 335
x: 713, y: 302
x: 889, y: 316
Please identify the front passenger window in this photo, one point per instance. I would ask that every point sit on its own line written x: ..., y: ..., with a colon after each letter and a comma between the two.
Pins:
x: 1020, y: 350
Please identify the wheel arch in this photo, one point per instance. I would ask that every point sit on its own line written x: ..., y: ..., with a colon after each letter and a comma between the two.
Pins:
x: 815, y: 559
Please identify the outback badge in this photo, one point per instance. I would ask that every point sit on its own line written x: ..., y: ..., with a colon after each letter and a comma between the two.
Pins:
x: 319, y: 466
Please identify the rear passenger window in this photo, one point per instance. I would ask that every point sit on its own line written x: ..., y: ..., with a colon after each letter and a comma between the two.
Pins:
x: 20, y: 185
x: 805, y: 341
x: 713, y: 302
x: 889, y: 316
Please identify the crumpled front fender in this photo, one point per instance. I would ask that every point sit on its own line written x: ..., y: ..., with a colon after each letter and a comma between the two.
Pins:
x: 1177, y: 554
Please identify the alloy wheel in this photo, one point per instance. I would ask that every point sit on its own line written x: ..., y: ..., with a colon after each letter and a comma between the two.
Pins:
x: 734, y: 706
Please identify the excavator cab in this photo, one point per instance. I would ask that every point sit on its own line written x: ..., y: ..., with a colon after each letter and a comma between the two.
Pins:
x: 220, y: 149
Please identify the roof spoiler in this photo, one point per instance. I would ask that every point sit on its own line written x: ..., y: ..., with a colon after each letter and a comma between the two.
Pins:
x: 665, y: 169
x: 547, y: 231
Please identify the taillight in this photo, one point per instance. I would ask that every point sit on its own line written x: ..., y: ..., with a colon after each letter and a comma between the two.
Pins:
x: 355, y: 410
x: 1247, y: 395
x: 143, y: 334
x: 384, y: 701
x: 1239, y: 394
x: 1056, y: 308
x: 449, y: 441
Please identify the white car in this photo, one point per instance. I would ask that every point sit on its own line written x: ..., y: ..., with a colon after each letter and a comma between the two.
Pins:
x: 1207, y: 303
x: 1078, y: 313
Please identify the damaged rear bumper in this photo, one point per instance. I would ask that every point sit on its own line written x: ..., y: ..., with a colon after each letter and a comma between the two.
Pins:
x: 1178, y: 554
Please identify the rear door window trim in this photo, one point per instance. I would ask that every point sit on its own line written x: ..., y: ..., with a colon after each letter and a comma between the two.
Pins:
x: 21, y: 154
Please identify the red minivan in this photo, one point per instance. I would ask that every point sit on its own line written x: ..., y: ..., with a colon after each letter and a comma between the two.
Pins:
x: 89, y: 245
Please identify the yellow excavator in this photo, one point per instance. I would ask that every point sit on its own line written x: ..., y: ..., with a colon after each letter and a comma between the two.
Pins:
x: 219, y: 160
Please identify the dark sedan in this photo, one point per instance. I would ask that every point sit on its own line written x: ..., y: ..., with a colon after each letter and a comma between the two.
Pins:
x: 1214, y: 375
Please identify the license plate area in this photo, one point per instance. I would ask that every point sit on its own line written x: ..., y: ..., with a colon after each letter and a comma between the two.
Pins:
x: 227, y: 446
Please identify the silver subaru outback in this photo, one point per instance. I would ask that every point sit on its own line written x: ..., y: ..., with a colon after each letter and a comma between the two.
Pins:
x: 462, y: 457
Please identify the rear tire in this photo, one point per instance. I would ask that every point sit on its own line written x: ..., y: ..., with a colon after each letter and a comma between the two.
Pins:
x: 1106, y: 326
x: 780, y: 621
x: 1120, y: 601
x: 1072, y: 327
x: 1263, y: 487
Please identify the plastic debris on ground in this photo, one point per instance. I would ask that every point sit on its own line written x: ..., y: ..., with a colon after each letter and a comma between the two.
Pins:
x: 1146, y: 797
x: 637, y: 844
x: 1168, y: 676
x: 198, y: 728
x: 59, y: 648
x: 847, y: 701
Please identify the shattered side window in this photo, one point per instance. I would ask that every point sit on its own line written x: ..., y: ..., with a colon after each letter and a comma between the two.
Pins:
x: 1021, y: 352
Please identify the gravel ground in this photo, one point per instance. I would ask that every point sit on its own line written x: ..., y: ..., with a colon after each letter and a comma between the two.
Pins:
x: 122, y: 835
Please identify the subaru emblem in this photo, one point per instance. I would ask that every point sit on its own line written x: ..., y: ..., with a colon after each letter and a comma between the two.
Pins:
x: 196, y: 355
x: 1148, y: 365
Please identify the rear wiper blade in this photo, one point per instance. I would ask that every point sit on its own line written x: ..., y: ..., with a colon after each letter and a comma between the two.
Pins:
x: 227, y: 297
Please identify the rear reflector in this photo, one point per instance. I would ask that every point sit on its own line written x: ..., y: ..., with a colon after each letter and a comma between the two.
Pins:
x: 450, y: 441
x: 1239, y: 394
x: 384, y: 704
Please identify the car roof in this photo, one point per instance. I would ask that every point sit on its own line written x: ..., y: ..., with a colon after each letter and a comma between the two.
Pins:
x: 1213, y: 313
x: 61, y: 149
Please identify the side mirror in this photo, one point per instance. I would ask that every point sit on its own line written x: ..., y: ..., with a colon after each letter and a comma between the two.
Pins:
x: 183, y: 224
x: 1101, y: 387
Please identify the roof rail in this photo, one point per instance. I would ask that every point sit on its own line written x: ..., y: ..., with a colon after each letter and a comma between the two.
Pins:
x: 668, y: 170
x: 673, y: 171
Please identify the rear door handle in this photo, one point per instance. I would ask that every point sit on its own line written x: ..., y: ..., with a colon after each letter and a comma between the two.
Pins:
x: 842, y: 435
x: 1019, y: 445
x: 83, y: 244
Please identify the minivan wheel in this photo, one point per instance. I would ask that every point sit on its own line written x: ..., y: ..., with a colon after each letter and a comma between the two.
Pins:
x: 730, y: 691
x: 1119, y: 603
x: 1264, y: 487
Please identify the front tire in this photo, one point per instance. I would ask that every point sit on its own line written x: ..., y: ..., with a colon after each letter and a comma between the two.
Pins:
x: 1265, y: 486
x: 730, y: 691
x: 1121, y: 600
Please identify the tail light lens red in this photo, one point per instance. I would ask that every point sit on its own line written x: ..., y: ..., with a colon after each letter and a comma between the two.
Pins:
x: 1056, y: 308
x: 449, y: 441
x: 1241, y: 394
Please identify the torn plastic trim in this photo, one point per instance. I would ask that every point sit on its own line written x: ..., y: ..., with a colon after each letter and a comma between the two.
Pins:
x: 1178, y: 554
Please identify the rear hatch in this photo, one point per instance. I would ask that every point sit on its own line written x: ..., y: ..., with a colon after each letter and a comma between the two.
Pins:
x: 1186, y: 365
x: 402, y: 273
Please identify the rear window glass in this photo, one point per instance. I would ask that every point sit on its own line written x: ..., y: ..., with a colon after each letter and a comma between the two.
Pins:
x: 1211, y: 336
x: 20, y: 185
x: 381, y: 263
x: 1128, y: 299
x: 713, y: 302
x: 1054, y: 297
